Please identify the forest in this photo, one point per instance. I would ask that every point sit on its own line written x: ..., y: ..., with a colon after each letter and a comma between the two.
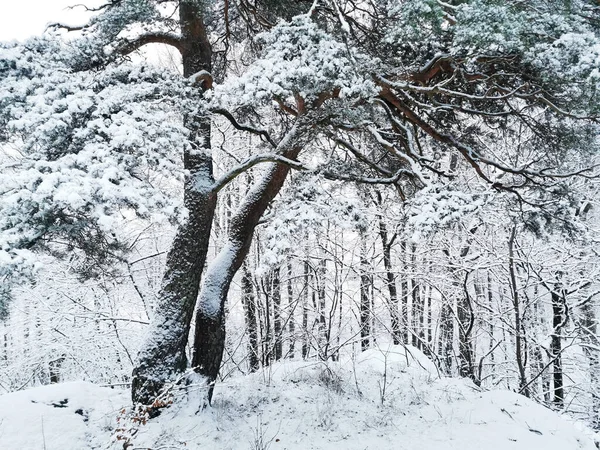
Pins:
x: 219, y: 218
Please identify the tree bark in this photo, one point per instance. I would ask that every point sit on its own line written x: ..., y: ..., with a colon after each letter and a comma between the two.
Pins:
x: 162, y: 357
x: 365, y: 300
x: 323, y: 336
x: 416, y: 302
x: 209, y: 342
x: 292, y: 308
x: 277, y: 330
x: 466, y: 322
x: 519, y: 329
x: 404, y: 295
x: 589, y: 327
x: 250, y: 312
x: 305, y: 333
x: 491, y: 328
x: 558, y: 322
x: 446, y: 337
x: 390, y: 281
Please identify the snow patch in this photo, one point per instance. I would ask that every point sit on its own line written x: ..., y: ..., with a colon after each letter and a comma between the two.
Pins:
x: 386, y: 398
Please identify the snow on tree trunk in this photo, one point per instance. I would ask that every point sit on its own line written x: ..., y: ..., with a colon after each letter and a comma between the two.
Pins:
x: 305, y: 294
x: 250, y: 312
x: 292, y: 307
x: 365, y: 298
x: 390, y: 281
x: 162, y: 357
x: 521, y: 356
x: 589, y: 326
x: 404, y: 294
x: 559, y: 318
x: 209, y: 336
x: 277, y: 331
x: 466, y: 321
x: 323, y: 328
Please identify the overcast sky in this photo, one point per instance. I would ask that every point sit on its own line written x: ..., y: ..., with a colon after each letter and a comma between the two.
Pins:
x: 20, y: 19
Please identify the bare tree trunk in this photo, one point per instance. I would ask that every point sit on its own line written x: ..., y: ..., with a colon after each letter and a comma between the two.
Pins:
x: 162, y: 357
x: 490, y: 298
x: 521, y: 352
x: 54, y: 369
x: 446, y: 337
x: 429, y: 319
x: 305, y: 334
x: 589, y: 327
x: 268, y: 329
x: 405, y: 295
x: 365, y: 300
x: 209, y: 342
x: 277, y: 331
x: 250, y: 310
x: 292, y: 308
x: 340, y: 316
x: 262, y: 317
x: 390, y: 281
x: 5, y: 346
x: 466, y: 322
x: 417, y: 301
x: 559, y: 318
x: 323, y: 341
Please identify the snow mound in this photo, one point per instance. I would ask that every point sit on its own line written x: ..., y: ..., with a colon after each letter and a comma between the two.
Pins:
x: 68, y: 416
x: 388, y: 398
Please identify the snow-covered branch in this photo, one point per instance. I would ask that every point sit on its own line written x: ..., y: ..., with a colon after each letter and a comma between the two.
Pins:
x: 129, y: 46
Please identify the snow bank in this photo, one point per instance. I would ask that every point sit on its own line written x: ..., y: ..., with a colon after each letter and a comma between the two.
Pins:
x: 67, y: 416
x: 387, y: 398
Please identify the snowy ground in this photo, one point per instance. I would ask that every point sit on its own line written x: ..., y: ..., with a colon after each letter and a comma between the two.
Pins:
x: 384, y: 399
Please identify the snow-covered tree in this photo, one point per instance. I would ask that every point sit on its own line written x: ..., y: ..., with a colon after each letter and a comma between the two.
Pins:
x: 420, y: 95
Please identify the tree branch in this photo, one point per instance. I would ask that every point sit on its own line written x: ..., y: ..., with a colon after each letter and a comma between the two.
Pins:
x: 222, y: 181
x: 127, y: 47
x: 242, y: 127
x: 63, y: 26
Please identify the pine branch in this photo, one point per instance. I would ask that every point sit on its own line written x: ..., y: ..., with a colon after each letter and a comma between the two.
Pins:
x: 127, y: 47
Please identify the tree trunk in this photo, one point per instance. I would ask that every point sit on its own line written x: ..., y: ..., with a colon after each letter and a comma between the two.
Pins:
x: 264, y: 319
x: 162, y: 357
x: 429, y: 320
x: 54, y: 369
x: 250, y: 312
x: 277, y: 331
x: 209, y: 342
x: 292, y: 308
x: 490, y: 318
x: 390, y: 281
x: 446, y: 337
x: 323, y: 328
x: 519, y: 329
x: 305, y: 334
x: 466, y: 321
x: 365, y: 300
x: 558, y: 322
x: 404, y: 294
x: 417, y: 302
x: 589, y: 328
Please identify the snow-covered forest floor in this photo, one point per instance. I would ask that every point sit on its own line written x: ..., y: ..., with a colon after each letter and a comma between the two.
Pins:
x: 264, y: 192
x: 386, y: 398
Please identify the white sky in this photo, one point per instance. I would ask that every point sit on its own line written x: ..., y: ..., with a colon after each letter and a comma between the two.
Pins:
x: 20, y: 19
